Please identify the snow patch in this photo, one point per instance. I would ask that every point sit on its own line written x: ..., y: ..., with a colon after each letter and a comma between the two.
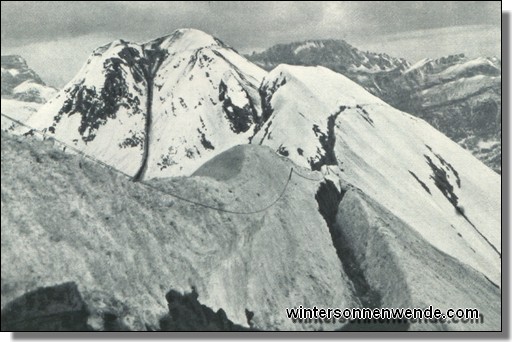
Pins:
x: 308, y: 45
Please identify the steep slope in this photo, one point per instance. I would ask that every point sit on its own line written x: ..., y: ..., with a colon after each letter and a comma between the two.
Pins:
x: 126, y: 244
x: 459, y: 96
x: 407, y: 271
x: 160, y: 108
x: 102, y: 110
x: 324, y: 121
x: 19, y: 111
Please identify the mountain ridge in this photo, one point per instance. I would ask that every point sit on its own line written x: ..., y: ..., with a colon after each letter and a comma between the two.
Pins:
x: 423, y: 89
x: 354, y: 136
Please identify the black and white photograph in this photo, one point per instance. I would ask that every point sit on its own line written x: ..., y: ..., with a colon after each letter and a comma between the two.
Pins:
x: 244, y: 167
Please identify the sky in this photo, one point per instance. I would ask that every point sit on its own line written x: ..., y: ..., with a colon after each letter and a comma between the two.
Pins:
x: 56, y: 37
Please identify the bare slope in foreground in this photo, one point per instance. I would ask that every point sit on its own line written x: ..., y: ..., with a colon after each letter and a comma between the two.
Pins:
x: 126, y: 245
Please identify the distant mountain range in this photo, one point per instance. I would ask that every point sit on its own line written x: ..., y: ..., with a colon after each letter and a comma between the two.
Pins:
x: 23, y: 91
x: 22, y: 83
x: 255, y: 191
x: 459, y: 96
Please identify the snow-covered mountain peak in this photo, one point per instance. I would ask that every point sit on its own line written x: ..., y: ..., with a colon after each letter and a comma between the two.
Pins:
x: 173, y: 103
x: 186, y: 39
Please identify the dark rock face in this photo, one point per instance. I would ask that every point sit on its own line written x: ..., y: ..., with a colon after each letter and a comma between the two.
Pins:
x: 329, y: 198
x: 327, y: 156
x: 266, y: 92
x: 241, y: 119
x: 62, y: 308
x: 440, y: 178
x: 55, y: 308
x: 187, y: 314
x: 96, y: 107
x: 423, y: 185
x: 431, y: 91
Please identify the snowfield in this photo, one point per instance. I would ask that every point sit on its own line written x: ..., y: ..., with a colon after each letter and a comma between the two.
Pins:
x: 18, y: 110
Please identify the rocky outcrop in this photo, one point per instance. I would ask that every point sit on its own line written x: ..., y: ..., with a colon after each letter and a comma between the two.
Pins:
x: 53, y: 308
x: 62, y: 308
x: 186, y: 313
